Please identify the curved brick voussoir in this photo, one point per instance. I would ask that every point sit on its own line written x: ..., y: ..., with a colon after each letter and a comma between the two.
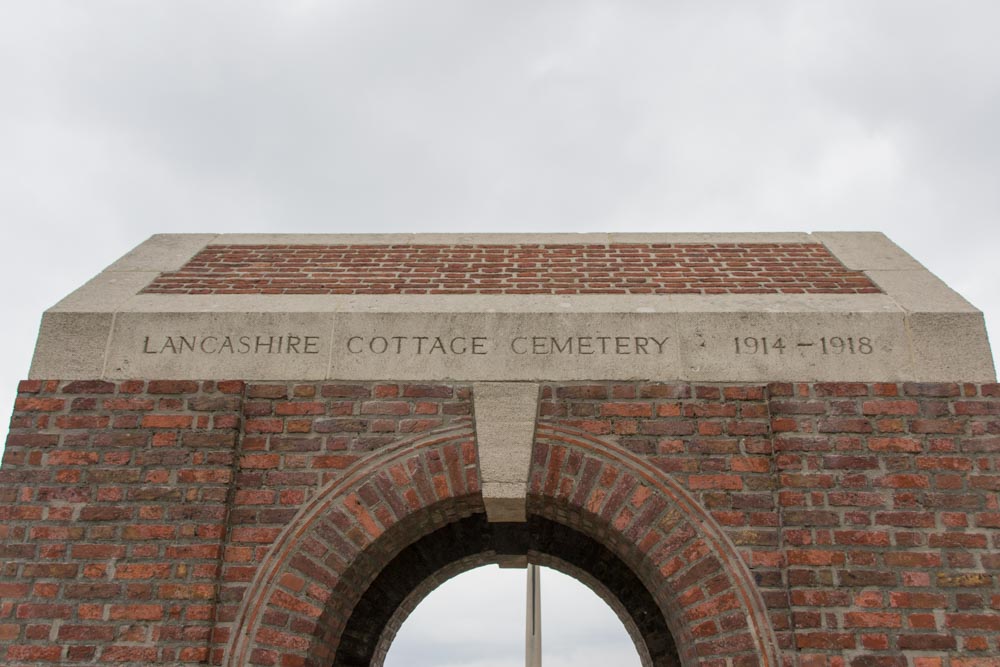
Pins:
x: 703, y: 588
x: 296, y: 608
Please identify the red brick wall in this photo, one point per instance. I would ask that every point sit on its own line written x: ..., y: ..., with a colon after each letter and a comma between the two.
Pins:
x: 889, y: 509
x: 113, y: 511
x: 652, y: 268
x: 868, y: 513
x: 134, y: 516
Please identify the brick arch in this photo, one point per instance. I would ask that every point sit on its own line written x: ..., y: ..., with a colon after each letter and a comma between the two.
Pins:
x: 292, y: 614
x: 702, y: 585
x: 298, y: 611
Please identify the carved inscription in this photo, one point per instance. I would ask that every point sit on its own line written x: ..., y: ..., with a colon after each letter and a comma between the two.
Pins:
x: 825, y: 345
x: 228, y: 344
x: 519, y: 345
x: 299, y: 344
x: 250, y: 344
x: 418, y: 345
x: 513, y: 346
x: 586, y: 345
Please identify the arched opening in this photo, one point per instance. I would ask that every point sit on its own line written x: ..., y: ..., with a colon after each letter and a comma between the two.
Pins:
x: 478, y: 618
x: 471, y: 542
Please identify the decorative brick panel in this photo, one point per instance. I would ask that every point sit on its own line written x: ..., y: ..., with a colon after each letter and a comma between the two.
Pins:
x: 652, y: 268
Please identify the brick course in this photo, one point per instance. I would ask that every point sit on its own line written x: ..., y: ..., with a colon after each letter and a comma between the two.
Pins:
x: 138, y: 519
x: 689, y: 268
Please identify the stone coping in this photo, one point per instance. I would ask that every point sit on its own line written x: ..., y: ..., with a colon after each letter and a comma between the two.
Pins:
x: 916, y: 329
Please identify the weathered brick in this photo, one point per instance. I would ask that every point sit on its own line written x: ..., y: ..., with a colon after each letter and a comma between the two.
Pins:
x: 172, y: 387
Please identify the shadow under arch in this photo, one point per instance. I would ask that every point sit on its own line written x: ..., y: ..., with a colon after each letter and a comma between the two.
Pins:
x: 337, y: 584
x: 472, y: 542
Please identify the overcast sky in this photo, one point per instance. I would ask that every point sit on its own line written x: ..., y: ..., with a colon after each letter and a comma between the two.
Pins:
x: 123, y: 119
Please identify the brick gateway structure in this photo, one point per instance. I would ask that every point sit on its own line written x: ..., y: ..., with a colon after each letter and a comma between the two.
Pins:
x: 760, y: 450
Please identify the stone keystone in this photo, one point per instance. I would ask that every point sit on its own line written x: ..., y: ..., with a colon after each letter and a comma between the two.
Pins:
x: 505, y: 430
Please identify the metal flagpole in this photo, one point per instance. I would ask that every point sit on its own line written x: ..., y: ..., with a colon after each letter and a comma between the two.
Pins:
x: 533, y: 625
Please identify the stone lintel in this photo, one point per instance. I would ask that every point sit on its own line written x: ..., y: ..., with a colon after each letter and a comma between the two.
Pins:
x: 505, y: 430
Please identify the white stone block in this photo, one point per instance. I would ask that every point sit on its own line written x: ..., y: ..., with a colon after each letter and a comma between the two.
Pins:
x: 505, y: 431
